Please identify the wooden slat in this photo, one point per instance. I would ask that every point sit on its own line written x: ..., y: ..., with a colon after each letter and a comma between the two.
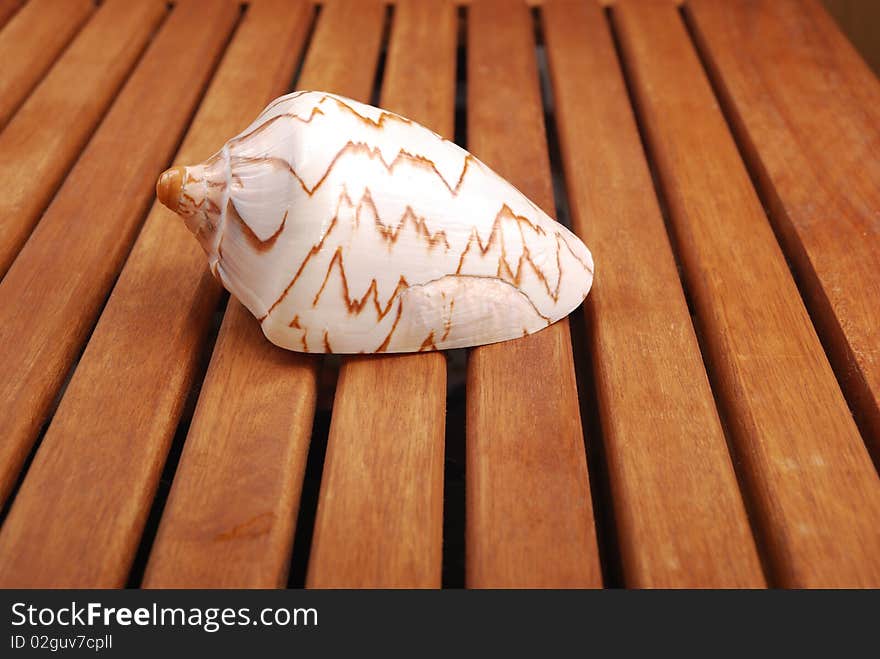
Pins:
x: 679, y: 515
x: 47, y: 306
x: 421, y: 29
x: 345, y: 49
x: 44, y: 138
x: 230, y: 515
x: 380, y: 514
x: 815, y: 492
x: 529, y: 517
x: 242, y: 357
x: 79, y: 513
x: 31, y: 43
x: 806, y: 109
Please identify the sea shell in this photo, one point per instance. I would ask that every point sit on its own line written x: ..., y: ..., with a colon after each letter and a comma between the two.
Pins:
x: 346, y: 228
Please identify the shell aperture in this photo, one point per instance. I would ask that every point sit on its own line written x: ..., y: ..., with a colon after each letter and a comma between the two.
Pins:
x: 346, y: 228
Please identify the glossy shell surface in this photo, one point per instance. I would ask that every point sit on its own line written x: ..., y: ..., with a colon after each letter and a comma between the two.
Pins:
x: 347, y: 228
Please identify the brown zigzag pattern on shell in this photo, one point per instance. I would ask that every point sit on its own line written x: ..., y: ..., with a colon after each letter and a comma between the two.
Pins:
x: 391, y: 233
x: 355, y: 305
x: 255, y: 241
x: 505, y: 274
x: 384, y: 345
x: 372, y: 153
x: 384, y: 116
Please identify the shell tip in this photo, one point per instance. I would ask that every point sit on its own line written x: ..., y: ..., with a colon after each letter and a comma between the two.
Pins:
x: 168, y: 187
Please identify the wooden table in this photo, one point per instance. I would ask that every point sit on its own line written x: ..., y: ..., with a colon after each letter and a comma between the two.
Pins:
x: 707, y: 419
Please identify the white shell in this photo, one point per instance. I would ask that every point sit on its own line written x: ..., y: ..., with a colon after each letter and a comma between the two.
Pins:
x: 345, y: 228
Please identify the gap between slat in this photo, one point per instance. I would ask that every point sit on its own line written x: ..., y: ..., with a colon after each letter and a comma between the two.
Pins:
x: 600, y: 493
x: 455, y: 464
x: 376, y: 92
x: 308, y: 499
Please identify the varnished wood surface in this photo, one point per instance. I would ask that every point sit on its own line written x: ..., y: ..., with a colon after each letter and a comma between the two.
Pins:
x: 380, y: 514
x: 49, y: 304
x: 659, y: 422
x: 101, y: 457
x: 815, y: 491
x: 31, y: 42
x: 44, y: 138
x: 529, y: 513
x: 818, y: 171
x: 690, y: 255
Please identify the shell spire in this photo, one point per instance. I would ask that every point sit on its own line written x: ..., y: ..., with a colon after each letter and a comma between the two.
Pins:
x: 347, y: 228
x: 199, y: 194
x: 169, y: 187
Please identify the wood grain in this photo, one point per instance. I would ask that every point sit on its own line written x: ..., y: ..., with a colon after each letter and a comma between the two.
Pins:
x: 380, y: 513
x: 43, y: 139
x: 31, y: 43
x: 818, y: 171
x: 77, y: 518
x: 658, y: 416
x: 529, y: 516
x: 816, y: 496
x: 230, y: 516
x: 242, y: 423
